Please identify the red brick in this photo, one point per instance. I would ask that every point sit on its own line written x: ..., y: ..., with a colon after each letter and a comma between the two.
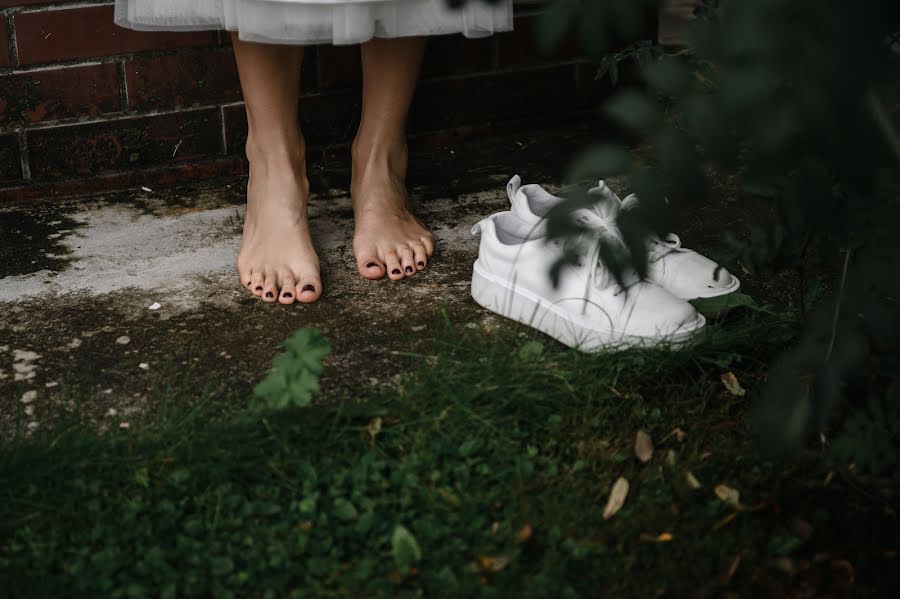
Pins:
x: 519, y: 47
x: 10, y: 160
x: 124, y: 144
x: 86, y: 32
x: 339, y: 67
x: 60, y: 93
x: 157, y: 177
x: 4, y: 44
x: 457, y: 55
x: 182, y: 80
x: 18, y: 3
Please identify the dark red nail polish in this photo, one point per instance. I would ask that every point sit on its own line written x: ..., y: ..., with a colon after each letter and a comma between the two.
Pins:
x: 370, y: 265
x: 421, y: 264
x: 288, y: 295
x: 409, y: 269
x: 269, y: 294
x: 396, y: 271
x: 309, y: 288
x: 259, y: 288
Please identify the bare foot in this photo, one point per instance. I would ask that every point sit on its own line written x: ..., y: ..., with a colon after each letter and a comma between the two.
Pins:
x: 277, y: 261
x: 388, y: 238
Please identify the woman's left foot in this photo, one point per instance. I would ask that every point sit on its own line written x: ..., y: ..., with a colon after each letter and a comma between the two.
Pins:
x: 388, y: 238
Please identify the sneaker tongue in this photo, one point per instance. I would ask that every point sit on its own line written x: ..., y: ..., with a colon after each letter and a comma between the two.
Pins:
x: 630, y: 202
x: 606, y: 203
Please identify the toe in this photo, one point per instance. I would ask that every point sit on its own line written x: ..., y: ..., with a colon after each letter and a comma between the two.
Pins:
x: 395, y: 270
x: 420, y: 255
x: 407, y: 261
x: 308, y: 291
x: 370, y: 267
x: 245, y: 275
x: 257, y: 280
x: 287, y: 288
x: 428, y: 242
x: 270, y: 287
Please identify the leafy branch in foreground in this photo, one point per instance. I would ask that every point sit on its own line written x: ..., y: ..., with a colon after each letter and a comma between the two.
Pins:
x: 294, y: 377
x: 798, y: 101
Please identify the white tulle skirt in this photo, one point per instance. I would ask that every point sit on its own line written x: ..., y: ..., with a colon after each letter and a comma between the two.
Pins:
x: 317, y: 21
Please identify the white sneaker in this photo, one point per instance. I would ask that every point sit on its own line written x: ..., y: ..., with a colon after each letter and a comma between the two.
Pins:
x: 685, y: 273
x: 588, y: 309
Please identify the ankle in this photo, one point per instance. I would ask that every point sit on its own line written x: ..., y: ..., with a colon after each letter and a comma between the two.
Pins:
x: 277, y: 156
x: 380, y: 155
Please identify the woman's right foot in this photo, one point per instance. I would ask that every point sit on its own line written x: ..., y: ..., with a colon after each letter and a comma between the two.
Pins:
x: 277, y: 261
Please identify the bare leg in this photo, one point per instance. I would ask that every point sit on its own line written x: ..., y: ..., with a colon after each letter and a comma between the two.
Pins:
x: 388, y: 239
x: 277, y: 261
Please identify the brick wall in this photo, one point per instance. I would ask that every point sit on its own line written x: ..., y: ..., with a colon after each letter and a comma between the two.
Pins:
x: 87, y: 106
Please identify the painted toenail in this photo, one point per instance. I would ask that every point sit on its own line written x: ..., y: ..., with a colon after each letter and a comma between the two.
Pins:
x: 259, y: 288
x: 421, y: 264
x: 288, y: 295
x: 396, y: 271
x: 370, y: 265
x: 409, y: 269
x: 309, y: 288
x: 269, y: 294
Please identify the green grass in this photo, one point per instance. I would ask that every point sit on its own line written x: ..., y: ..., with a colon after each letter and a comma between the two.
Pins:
x: 489, y: 436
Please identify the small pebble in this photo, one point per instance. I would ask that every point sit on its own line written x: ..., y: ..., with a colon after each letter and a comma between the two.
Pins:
x: 107, y: 391
x: 155, y: 306
x: 52, y: 384
x: 124, y: 425
x: 32, y: 426
x: 144, y: 366
x: 111, y: 412
x: 29, y: 396
x: 123, y: 340
x: 29, y: 410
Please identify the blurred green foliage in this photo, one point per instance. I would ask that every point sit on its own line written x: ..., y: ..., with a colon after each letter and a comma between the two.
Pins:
x: 798, y: 99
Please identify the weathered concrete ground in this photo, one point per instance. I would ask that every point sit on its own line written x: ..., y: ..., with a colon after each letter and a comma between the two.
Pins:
x: 78, y: 277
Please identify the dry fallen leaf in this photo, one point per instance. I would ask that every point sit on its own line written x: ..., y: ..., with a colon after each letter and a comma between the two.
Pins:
x: 731, y: 383
x: 490, y: 564
x: 692, y: 480
x: 671, y: 458
x: 728, y: 574
x: 616, y: 498
x: 728, y: 495
x: 524, y: 534
x: 845, y: 567
x: 679, y: 435
x: 643, y: 447
x: 374, y: 427
x: 664, y: 537
x: 728, y: 519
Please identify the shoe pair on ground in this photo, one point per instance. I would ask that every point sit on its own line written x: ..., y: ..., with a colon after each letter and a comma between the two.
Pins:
x: 588, y: 308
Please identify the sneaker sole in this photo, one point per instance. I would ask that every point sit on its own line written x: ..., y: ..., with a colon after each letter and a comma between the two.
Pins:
x: 733, y: 288
x: 521, y: 305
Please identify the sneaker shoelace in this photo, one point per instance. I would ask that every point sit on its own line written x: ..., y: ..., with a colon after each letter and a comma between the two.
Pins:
x: 662, y: 247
